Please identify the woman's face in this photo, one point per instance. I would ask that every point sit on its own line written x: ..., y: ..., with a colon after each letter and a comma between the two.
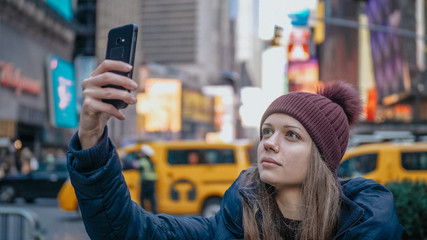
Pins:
x: 284, y: 151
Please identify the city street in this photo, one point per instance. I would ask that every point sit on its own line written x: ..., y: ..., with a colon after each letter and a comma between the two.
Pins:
x: 58, y: 224
x: 274, y: 115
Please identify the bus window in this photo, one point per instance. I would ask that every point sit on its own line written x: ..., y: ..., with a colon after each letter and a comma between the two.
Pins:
x: 201, y: 156
x: 414, y: 161
x: 358, y: 165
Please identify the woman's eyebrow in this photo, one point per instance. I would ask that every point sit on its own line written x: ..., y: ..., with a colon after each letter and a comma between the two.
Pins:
x: 284, y: 126
x: 266, y: 124
x: 291, y: 126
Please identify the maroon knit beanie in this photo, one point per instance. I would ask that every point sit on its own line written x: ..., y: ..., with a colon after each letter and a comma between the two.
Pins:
x: 326, y: 116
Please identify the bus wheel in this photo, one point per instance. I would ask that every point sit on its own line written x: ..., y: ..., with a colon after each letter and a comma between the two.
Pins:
x: 211, y: 206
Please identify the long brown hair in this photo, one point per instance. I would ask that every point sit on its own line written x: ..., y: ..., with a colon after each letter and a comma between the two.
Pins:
x: 320, y: 205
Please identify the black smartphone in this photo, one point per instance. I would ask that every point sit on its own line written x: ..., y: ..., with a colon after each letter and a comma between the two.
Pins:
x: 121, y: 46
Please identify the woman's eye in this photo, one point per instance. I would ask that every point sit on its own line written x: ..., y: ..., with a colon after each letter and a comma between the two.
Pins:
x: 267, y: 132
x: 292, y: 135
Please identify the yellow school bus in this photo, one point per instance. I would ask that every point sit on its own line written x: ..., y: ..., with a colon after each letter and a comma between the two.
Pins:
x: 192, y: 175
x: 386, y: 162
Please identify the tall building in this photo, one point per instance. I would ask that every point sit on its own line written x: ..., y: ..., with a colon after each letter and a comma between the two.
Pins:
x: 85, y: 35
x: 31, y: 32
x: 189, y: 35
x: 188, y: 40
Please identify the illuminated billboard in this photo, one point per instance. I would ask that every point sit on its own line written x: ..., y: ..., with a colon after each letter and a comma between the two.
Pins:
x: 62, y: 93
x: 393, y: 55
x: 159, y: 107
x: 197, y: 107
x: 63, y: 8
x: 224, y: 119
x: 303, y: 76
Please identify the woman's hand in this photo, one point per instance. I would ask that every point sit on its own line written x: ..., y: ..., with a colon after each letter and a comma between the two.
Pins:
x: 95, y: 113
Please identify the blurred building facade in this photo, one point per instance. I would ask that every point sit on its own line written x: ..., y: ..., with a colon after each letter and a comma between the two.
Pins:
x: 30, y: 32
x: 190, y: 41
x: 378, y: 46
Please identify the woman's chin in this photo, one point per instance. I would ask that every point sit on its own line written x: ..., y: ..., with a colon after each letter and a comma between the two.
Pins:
x: 267, y: 176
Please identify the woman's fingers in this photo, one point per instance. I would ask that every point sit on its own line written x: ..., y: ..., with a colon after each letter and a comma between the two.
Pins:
x: 95, y: 107
x: 94, y: 87
x: 109, y: 93
x: 107, y: 78
x: 111, y: 65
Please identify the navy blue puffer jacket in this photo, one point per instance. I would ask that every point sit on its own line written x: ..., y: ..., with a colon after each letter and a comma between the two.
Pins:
x: 108, y: 212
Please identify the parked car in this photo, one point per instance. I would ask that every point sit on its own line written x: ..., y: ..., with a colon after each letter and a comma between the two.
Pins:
x: 183, y: 186
x: 386, y: 162
x: 45, y: 182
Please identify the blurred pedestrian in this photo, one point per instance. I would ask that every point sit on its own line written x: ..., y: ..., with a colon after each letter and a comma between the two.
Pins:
x: 50, y: 159
x: 3, y: 162
x: 25, y: 160
x: 148, y: 178
x: 292, y: 192
x: 34, y: 163
x: 193, y: 158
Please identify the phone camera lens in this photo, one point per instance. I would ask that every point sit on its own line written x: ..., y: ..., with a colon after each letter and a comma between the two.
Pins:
x: 118, y: 40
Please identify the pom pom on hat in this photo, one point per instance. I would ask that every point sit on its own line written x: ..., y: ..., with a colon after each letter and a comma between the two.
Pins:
x: 326, y: 116
x: 346, y: 96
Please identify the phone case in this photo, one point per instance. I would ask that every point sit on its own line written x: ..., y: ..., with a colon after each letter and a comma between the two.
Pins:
x: 121, y: 46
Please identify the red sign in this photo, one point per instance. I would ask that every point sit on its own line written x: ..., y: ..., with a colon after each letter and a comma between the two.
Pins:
x: 371, y: 105
x: 298, y: 45
x: 11, y: 77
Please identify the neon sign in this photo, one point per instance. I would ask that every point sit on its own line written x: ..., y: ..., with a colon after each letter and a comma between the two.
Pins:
x: 12, y: 77
x: 62, y: 93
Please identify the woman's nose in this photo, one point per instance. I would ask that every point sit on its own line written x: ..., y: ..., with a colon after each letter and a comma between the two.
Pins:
x: 272, y: 143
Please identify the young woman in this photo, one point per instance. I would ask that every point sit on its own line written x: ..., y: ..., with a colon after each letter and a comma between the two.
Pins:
x: 292, y: 192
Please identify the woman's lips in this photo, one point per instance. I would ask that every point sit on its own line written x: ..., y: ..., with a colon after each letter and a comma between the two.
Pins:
x: 269, y: 162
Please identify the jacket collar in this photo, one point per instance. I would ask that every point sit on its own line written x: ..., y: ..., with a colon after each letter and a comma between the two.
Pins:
x: 350, y: 215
